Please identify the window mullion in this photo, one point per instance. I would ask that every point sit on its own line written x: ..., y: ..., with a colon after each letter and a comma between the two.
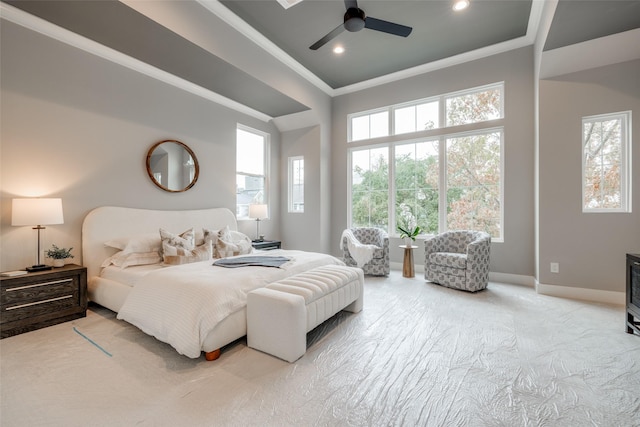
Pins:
x: 442, y: 193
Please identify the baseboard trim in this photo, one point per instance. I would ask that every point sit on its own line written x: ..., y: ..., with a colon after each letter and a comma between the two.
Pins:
x: 583, y: 294
x: 569, y: 292
x: 512, y: 279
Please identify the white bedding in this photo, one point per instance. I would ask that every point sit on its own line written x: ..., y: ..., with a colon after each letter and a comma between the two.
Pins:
x: 181, y: 305
x: 128, y: 276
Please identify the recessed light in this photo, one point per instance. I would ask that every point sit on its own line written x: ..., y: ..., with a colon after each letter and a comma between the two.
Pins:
x: 460, y: 5
x: 338, y: 50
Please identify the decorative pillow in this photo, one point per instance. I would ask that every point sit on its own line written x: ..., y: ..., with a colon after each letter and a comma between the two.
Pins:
x: 139, y: 243
x: 211, y: 236
x: 177, y: 256
x: 232, y: 243
x: 123, y: 260
x: 186, y: 240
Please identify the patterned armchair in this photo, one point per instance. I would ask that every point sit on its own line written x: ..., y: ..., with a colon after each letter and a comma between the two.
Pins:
x: 458, y: 259
x: 379, y: 265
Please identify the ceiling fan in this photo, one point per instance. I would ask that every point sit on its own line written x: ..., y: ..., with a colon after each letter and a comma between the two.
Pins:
x: 355, y: 20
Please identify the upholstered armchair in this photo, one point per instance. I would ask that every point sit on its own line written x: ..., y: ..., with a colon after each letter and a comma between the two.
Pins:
x: 379, y: 264
x: 458, y: 259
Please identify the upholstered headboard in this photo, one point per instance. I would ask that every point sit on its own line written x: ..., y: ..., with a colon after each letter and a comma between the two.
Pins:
x: 110, y: 222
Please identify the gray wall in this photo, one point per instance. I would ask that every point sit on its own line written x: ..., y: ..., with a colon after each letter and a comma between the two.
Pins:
x: 515, y: 68
x: 590, y: 247
x: 78, y: 127
x: 301, y: 230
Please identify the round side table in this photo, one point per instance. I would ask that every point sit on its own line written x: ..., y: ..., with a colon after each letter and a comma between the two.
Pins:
x: 407, y: 264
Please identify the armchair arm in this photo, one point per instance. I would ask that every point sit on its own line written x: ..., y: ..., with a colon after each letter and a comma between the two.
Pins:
x: 478, y: 251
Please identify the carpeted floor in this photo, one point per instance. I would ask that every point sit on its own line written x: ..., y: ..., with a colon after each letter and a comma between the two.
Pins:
x: 417, y: 355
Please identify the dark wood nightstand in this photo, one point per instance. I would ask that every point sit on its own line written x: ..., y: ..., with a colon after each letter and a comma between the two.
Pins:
x: 266, y: 245
x: 37, y: 300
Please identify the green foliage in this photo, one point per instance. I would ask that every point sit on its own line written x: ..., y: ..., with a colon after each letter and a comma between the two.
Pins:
x: 58, y: 253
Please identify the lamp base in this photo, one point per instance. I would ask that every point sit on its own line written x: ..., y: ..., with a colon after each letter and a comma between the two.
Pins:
x: 39, y: 267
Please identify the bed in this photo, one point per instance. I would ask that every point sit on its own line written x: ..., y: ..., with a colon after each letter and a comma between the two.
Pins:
x: 174, y: 293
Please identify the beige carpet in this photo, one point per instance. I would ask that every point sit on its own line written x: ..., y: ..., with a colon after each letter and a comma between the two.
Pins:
x: 419, y: 354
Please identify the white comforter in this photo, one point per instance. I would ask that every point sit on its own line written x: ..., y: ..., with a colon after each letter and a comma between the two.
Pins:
x: 180, y: 305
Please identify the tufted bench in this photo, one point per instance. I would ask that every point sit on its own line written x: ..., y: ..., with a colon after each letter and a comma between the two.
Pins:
x: 280, y: 314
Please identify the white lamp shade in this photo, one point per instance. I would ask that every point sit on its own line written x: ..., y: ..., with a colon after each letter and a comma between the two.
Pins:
x: 258, y: 211
x: 36, y: 212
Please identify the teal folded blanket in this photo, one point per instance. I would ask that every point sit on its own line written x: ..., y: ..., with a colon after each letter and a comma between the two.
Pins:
x: 252, y: 261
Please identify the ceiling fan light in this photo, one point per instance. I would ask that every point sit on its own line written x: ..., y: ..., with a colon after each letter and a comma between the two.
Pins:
x: 338, y: 50
x: 459, y: 5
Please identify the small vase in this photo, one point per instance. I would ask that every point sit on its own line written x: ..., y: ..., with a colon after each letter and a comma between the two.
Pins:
x: 408, y: 242
x: 58, y: 262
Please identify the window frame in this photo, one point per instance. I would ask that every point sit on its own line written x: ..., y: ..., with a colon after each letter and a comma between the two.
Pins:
x: 291, y: 184
x: 441, y: 133
x: 625, y: 161
x: 266, y: 139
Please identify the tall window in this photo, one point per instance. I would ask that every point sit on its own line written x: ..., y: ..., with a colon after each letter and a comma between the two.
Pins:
x: 251, y: 169
x: 606, y: 163
x: 370, y: 187
x: 443, y: 182
x: 296, y: 184
x: 416, y: 185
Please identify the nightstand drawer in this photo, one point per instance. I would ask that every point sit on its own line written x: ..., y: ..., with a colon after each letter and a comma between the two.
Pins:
x: 38, y: 300
x: 21, y: 301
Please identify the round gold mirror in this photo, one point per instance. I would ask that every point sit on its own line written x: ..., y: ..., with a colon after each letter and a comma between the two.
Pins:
x: 172, y: 166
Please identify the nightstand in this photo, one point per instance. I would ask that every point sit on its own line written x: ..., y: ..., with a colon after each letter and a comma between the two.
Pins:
x: 37, y: 300
x: 266, y: 245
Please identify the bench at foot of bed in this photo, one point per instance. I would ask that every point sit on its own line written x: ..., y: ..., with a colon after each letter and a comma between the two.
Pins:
x: 280, y: 315
x: 212, y: 355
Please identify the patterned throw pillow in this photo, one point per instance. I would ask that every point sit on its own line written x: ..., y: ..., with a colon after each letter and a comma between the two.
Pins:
x: 186, y: 240
x: 211, y: 236
x: 177, y: 256
x: 231, y: 243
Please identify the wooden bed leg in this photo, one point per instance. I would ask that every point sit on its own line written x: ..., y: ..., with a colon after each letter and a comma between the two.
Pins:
x: 212, y: 355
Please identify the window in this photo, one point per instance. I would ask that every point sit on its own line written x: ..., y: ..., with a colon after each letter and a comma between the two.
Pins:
x: 370, y: 187
x: 416, y: 185
x: 417, y: 117
x: 473, y: 177
x: 476, y: 105
x: 369, y: 125
x: 442, y: 182
x: 251, y: 161
x: 296, y: 184
x: 606, y: 163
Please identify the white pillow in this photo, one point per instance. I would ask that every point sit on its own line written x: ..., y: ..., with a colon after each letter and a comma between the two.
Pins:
x: 123, y: 260
x: 139, y: 243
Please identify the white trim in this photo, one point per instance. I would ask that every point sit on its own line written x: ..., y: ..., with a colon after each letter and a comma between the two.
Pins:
x: 582, y: 294
x: 242, y: 27
x: 222, y: 12
x: 70, y: 38
x: 512, y: 279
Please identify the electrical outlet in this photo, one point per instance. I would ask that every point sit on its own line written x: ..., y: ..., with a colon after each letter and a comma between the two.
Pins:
x: 555, y: 267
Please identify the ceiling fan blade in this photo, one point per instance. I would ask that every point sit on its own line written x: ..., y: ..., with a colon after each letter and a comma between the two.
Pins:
x: 348, y: 4
x: 327, y: 38
x: 387, y: 27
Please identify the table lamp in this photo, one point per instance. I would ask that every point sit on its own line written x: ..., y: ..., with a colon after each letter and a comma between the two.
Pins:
x: 258, y: 212
x: 37, y: 212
